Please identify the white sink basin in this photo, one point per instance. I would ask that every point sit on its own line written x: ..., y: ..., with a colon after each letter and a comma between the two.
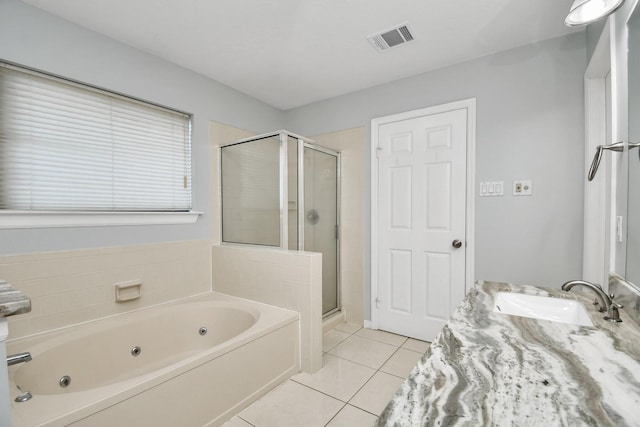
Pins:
x: 545, y: 308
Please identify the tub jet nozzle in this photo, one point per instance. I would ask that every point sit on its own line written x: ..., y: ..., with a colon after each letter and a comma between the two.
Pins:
x: 65, y: 381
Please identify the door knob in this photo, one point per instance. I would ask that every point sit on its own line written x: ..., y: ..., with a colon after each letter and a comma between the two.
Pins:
x: 456, y: 244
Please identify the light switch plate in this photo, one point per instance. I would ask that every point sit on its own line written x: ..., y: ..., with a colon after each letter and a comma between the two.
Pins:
x: 491, y: 188
x: 619, y: 229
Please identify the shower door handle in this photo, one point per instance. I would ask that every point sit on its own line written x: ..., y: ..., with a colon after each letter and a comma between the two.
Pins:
x: 313, y: 216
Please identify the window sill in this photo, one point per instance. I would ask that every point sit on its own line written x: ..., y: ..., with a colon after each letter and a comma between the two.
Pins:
x: 51, y: 219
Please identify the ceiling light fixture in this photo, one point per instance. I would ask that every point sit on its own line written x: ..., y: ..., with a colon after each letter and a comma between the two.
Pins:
x: 584, y: 12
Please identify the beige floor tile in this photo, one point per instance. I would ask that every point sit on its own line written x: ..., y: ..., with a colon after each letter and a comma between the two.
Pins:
x: 292, y: 405
x: 349, y: 328
x: 401, y: 363
x: 338, y: 377
x: 382, y: 336
x: 236, y: 422
x: 376, y: 393
x: 364, y: 351
x: 350, y: 416
x: 416, y: 345
x: 332, y: 339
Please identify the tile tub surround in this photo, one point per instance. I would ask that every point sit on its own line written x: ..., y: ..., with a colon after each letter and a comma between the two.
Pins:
x: 12, y: 301
x: 71, y: 287
x: 287, y: 279
x: 487, y: 368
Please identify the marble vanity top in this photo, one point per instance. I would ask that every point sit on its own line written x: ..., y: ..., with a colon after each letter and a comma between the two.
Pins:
x: 12, y: 301
x: 492, y: 369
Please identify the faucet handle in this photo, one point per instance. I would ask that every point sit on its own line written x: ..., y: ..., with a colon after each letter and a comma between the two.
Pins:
x: 615, y: 303
x: 595, y: 302
x: 613, y: 315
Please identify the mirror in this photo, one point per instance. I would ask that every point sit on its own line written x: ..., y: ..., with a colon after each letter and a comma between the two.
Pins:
x: 632, y: 273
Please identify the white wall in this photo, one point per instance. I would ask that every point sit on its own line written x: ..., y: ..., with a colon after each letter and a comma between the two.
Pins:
x: 530, y: 125
x: 37, y: 39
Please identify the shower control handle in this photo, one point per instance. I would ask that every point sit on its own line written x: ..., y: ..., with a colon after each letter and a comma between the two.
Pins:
x: 456, y: 244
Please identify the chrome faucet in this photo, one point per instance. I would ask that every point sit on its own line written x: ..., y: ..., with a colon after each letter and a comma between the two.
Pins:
x: 608, y: 304
x: 14, y: 359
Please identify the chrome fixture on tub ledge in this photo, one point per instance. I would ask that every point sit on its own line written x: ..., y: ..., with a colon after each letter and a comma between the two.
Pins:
x: 14, y: 359
x: 608, y: 304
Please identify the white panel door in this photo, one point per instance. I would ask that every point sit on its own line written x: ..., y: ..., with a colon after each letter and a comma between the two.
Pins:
x: 421, y: 214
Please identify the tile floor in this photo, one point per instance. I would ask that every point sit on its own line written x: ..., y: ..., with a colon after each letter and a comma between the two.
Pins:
x: 362, y: 369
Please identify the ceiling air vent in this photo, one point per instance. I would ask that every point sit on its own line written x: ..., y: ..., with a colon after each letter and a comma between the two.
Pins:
x: 391, y: 37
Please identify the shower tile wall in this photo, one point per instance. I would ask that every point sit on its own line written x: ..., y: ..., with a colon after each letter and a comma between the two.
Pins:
x: 70, y: 287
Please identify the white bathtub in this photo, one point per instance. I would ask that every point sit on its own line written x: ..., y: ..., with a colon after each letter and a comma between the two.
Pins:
x: 179, y: 377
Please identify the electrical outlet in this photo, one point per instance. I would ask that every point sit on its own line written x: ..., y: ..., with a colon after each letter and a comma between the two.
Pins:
x: 522, y: 187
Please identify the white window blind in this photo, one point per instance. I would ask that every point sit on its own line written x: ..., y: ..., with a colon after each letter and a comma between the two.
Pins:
x: 69, y: 147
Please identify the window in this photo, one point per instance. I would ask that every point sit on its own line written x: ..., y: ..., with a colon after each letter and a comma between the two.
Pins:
x: 69, y: 147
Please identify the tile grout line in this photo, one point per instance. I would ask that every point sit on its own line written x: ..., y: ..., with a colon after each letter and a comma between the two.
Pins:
x: 319, y: 391
x: 369, y: 379
x: 367, y: 382
x: 344, y: 404
x: 251, y: 424
x: 336, y: 414
x: 394, y: 353
x: 376, y: 370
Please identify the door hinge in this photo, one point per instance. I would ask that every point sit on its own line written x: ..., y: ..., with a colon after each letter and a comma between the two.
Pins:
x: 377, y: 302
x: 337, y: 232
x: 378, y: 151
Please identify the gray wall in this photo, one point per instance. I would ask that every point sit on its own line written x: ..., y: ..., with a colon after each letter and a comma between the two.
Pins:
x: 593, y: 31
x: 632, y: 267
x: 530, y: 125
x: 34, y: 38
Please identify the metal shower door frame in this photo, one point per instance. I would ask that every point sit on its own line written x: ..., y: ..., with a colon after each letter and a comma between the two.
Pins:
x: 302, y: 144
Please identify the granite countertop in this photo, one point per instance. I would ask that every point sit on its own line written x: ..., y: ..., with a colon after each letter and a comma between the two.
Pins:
x: 492, y: 369
x: 12, y: 301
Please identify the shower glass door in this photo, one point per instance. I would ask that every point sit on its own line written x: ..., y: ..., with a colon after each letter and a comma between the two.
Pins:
x: 250, y: 186
x: 321, y: 218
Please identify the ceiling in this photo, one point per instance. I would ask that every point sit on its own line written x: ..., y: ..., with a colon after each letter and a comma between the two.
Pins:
x: 289, y: 53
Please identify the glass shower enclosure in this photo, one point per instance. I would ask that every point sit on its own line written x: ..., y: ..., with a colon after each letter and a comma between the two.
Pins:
x: 282, y: 190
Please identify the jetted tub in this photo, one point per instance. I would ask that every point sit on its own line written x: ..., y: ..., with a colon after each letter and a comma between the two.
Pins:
x: 194, y: 362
